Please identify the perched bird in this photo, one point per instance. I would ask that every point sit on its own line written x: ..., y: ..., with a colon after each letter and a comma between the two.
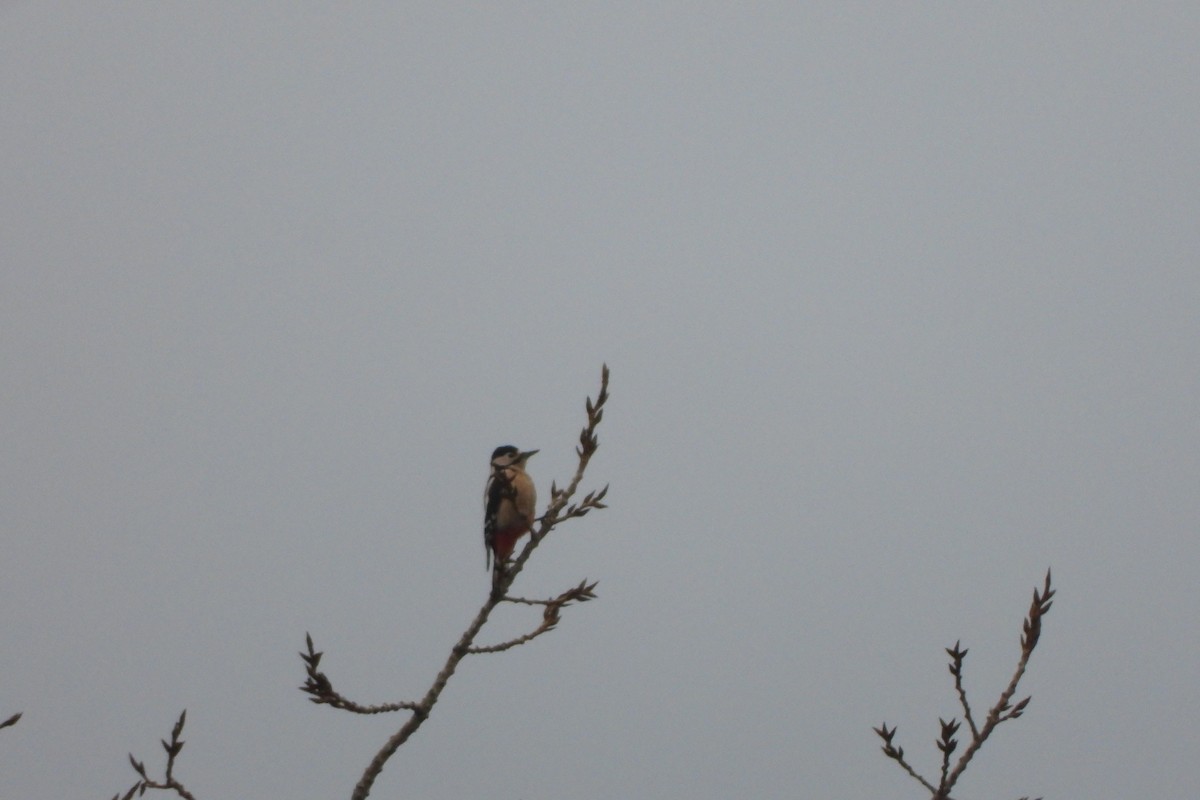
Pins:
x: 509, y: 503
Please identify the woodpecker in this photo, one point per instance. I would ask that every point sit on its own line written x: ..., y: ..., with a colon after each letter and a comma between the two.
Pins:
x: 509, y: 503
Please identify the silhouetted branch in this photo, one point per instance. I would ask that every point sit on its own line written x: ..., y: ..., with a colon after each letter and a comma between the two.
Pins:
x: 168, y: 783
x: 1000, y: 712
x: 581, y: 594
x: 957, y: 655
x: 319, y: 687
x: 11, y: 720
x: 897, y: 754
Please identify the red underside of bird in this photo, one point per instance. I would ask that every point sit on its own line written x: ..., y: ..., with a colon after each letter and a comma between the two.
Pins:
x: 505, y: 541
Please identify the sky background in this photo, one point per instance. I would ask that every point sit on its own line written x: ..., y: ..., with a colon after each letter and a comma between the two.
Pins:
x: 900, y: 303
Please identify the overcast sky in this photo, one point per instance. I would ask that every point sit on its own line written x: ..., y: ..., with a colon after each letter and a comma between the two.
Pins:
x: 900, y: 303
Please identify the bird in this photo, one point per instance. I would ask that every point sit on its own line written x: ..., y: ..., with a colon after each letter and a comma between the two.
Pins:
x: 509, y: 502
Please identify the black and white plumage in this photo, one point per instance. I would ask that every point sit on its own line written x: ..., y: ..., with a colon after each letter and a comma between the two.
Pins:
x: 510, y: 500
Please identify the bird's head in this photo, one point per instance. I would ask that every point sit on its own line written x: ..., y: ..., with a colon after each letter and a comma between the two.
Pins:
x: 509, y: 456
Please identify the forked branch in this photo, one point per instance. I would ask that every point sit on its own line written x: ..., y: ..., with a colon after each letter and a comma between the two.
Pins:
x: 168, y: 781
x: 320, y: 689
x: 1001, y: 711
x: 580, y: 594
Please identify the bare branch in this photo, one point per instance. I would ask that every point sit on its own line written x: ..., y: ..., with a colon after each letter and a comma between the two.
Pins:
x: 320, y: 688
x: 957, y: 655
x: 546, y: 626
x: 581, y: 593
x: 588, y: 443
x: 11, y: 720
x: 1001, y: 711
x: 947, y: 744
x: 168, y: 782
x: 897, y: 754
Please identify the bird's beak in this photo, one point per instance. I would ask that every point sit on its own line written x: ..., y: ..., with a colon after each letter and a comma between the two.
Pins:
x: 529, y: 453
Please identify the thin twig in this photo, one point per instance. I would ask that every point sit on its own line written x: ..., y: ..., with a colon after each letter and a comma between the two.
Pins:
x: 511, y: 643
x: 897, y: 754
x: 168, y: 783
x: 957, y: 655
x: 947, y: 744
x: 588, y: 443
x: 322, y: 692
x: 581, y: 594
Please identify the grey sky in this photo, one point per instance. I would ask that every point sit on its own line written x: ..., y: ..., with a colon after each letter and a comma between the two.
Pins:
x: 901, y: 308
